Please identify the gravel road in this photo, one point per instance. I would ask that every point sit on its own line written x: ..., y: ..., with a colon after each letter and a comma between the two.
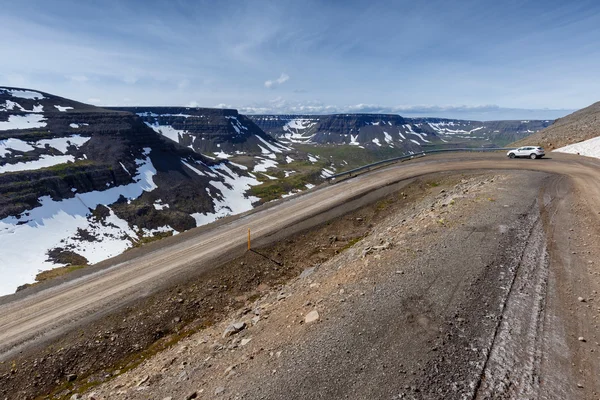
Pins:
x: 500, y: 276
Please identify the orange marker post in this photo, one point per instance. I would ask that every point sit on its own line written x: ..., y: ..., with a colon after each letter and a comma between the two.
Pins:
x: 248, y: 238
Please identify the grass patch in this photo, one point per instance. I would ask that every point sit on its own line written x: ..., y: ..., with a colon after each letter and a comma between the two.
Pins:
x: 57, y: 272
x: 149, y: 239
x: 382, y: 205
x: 353, y: 156
x: 272, y: 190
x: 351, y: 243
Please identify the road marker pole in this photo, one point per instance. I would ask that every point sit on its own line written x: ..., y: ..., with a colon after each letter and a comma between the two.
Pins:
x: 248, y: 238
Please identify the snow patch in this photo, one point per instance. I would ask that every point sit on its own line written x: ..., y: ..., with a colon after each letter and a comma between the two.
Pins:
x: 167, y: 131
x: 55, y: 224
x: 264, y: 165
x: 588, y: 148
x: 7, y: 145
x: 62, y: 144
x: 63, y: 109
x: 24, y: 94
x: 28, y: 121
x: 43, y: 162
x: 233, y: 199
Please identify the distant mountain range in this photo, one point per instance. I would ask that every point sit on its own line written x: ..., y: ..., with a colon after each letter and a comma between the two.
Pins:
x: 409, y: 134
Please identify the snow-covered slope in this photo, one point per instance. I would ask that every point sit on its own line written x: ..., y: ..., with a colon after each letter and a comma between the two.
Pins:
x: 288, y: 128
x: 80, y: 184
x: 588, y: 148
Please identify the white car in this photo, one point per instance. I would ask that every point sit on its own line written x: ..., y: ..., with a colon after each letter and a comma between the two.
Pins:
x: 532, y: 152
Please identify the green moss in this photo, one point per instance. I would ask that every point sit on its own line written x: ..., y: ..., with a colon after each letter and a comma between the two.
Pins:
x: 382, y: 205
x: 351, y: 243
x: 149, y: 239
x: 272, y: 190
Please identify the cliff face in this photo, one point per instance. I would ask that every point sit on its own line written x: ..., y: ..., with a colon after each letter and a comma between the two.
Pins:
x: 83, y: 183
x: 365, y: 130
x: 206, y: 130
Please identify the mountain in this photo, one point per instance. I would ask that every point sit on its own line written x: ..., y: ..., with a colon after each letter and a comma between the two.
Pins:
x: 409, y: 134
x: 497, y: 133
x: 363, y: 130
x: 79, y: 184
x: 576, y: 127
x: 221, y: 132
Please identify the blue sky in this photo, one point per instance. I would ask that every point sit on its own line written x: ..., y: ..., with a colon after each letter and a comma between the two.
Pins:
x: 466, y: 59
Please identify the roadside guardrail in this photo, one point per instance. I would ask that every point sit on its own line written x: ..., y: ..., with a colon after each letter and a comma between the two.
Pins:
x: 367, y: 167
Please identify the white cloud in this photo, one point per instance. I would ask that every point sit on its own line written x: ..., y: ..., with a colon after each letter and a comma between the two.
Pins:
x: 130, y: 79
x: 79, y: 78
x: 279, y: 81
x: 193, y: 104
x: 94, y: 100
x: 223, y: 105
x: 183, y: 84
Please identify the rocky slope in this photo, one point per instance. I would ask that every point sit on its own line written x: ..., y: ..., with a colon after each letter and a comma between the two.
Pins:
x: 577, y: 127
x: 79, y: 184
x: 409, y: 134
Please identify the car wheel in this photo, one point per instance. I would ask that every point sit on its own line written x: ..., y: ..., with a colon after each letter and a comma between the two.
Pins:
x: 533, y: 156
x: 511, y: 155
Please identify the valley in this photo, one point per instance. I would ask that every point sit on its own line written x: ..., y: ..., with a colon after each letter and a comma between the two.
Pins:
x: 89, y: 183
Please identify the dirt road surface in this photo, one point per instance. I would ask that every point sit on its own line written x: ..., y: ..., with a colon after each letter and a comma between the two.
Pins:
x: 541, y: 263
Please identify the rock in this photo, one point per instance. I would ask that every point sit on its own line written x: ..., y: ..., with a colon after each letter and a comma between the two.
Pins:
x: 580, y: 386
x: 282, y: 296
x: 255, y: 320
x: 143, y: 380
x: 219, y: 390
x: 234, y: 328
x: 581, y: 299
x: 581, y: 339
x: 312, y: 316
x: 168, y: 398
x: 307, y: 272
x: 71, y: 377
x: 75, y: 397
x: 191, y: 396
x: 245, y: 341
